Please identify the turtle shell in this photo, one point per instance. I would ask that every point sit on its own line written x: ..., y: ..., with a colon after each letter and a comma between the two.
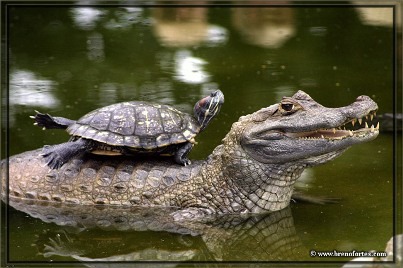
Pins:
x: 136, y: 124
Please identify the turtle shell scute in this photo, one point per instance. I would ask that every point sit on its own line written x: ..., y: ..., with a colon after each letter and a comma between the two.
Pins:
x: 136, y: 125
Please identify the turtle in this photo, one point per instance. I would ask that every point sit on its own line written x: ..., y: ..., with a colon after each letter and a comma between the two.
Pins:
x: 130, y: 128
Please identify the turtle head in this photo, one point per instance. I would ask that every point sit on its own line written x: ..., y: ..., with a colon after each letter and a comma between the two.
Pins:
x: 208, y: 107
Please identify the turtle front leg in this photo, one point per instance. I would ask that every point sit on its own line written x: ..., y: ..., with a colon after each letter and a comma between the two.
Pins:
x: 48, y: 121
x: 182, y: 153
x: 57, y: 155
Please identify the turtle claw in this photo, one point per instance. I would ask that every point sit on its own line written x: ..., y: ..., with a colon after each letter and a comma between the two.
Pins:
x: 183, y: 161
x: 52, y: 158
x: 52, y: 162
x: 42, y: 120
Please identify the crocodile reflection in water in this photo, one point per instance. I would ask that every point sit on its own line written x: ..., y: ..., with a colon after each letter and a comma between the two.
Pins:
x: 129, y: 231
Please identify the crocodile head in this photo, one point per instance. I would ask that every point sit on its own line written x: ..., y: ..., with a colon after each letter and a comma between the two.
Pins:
x: 264, y: 153
x: 299, y: 128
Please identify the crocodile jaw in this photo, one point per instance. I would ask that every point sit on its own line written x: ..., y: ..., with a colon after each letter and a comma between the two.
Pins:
x: 341, y: 132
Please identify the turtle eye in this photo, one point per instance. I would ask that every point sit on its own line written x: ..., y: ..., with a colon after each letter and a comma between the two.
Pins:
x: 287, y: 107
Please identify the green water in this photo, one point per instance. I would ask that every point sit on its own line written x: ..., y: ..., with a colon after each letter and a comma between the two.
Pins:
x: 67, y: 61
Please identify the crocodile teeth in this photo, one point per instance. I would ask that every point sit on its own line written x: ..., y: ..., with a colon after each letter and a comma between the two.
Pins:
x: 322, y: 136
x: 353, y: 122
x: 377, y: 126
x: 371, y: 116
x: 372, y: 128
x: 334, y: 131
x: 366, y: 125
x: 350, y: 133
x: 35, y: 124
x: 31, y: 116
x: 360, y: 121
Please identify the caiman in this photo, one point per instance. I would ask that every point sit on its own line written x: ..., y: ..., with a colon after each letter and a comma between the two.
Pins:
x: 252, y: 171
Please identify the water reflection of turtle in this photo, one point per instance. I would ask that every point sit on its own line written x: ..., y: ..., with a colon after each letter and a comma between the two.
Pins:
x: 131, y: 127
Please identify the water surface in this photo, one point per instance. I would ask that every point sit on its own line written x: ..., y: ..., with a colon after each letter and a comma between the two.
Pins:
x: 69, y: 60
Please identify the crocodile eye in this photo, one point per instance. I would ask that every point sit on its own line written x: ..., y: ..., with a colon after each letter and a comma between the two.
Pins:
x: 287, y: 106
